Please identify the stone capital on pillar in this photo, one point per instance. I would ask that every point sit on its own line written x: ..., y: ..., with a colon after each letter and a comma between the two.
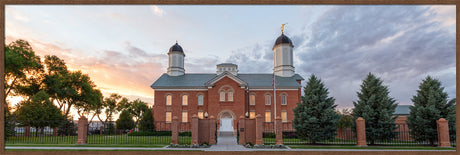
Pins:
x: 361, y: 131
x: 279, y: 131
x: 443, y: 133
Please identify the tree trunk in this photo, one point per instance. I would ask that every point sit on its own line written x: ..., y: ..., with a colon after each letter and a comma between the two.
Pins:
x: 11, y: 86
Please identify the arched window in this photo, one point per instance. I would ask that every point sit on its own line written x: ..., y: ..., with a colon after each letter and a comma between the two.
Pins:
x: 252, y: 99
x: 184, y: 99
x: 200, y: 99
x: 230, y: 96
x: 268, y: 99
x: 168, y: 99
x: 283, y: 99
x: 222, y: 96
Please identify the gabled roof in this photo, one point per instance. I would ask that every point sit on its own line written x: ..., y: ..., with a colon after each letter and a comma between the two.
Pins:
x: 199, y: 81
x: 226, y: 74
x: 402, y: 110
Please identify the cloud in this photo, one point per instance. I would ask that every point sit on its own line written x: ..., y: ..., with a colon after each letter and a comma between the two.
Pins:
x: 157, y: 10
x: 400, y: 44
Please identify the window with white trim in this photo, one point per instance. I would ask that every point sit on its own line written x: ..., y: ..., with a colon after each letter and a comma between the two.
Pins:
x: 222, y: 96
x: 230, y: 96
x: 252, y: 114
x: 184, y: 116
x: 283, y: 99
x: 284, y: 116
x: 252, y: 99
x: 168, y: 99
x: 268, y: 100
x: 268, y: 116
x: 168, y: 117
x: 200, y: 99
x: 184, y: 99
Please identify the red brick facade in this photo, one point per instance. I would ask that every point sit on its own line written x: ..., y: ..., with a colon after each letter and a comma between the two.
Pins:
x: 214, y: 107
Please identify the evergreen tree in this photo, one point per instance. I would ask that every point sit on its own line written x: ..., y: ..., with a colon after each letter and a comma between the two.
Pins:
x: 376, y: 107
x: 125, y: 121
x: 315, y: 118
x: 146, y: 122
x: 430, y: 104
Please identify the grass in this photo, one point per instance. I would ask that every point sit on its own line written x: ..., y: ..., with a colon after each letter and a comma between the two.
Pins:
x: 89, y: 150
x: 98, y: 139
x: 90, y: 145
x: 369, y: 147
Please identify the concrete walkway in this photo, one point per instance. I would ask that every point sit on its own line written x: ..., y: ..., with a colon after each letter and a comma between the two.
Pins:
x: 226, y: 141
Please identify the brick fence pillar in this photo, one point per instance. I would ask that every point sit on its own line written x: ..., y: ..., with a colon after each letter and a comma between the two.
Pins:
x: 55, y: 131
x: 27, y: 131
x: 242, y: 130
x: 82, y: 130
x: 175, y: 130
x: 101, y: 129
x: 212, y: 130
x: 259, y: 130
x: 279, y: 131
x: 361, y: 131
x: 194, y: 129
x: 443, y: 133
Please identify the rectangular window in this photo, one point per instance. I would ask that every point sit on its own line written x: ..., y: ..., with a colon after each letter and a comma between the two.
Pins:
x: 252, y: 114
x: 268, y: 100
x: 222, y: 96
x: 268, y: 116
x: 200, y: 114
x: 168, y: 100
x: 252, y: 99
x: 200, y: 99
x: 184, y: 116
x: 185, y: 100
x: 283, y: 99
x: 284, y: 116
x: 168, y: 117
x: 230, y: 96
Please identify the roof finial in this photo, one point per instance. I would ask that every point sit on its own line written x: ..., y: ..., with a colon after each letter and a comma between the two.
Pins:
x: 176, y: 41
x: 282, y: 28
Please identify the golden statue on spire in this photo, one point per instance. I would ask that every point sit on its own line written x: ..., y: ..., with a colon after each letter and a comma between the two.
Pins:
x: 282, y: 28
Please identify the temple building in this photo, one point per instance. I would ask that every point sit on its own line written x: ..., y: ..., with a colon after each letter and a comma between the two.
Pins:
x: 228, y: 94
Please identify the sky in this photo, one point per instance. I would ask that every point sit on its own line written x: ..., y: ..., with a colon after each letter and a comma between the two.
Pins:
x: 123, y: 48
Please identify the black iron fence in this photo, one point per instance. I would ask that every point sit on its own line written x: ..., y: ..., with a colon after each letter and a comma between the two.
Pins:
x: 125, y: 133
x: 185, y: 133
x: 42, y: 132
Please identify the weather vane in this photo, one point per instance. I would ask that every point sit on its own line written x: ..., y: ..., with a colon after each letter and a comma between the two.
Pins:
x: 282, y: 28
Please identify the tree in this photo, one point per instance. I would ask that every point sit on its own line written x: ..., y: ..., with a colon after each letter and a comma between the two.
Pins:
x: 112, y: 105
x: 430, y: 104
x: 39, y: 112
x: 146, y: 122
x: 20, y: 63
x: 125, y: 121
x: 137, y: 108
x: 315, y: 118
x: 376, y: 107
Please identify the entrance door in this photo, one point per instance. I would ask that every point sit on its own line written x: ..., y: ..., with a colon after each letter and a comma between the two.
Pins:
x: 226, y: 124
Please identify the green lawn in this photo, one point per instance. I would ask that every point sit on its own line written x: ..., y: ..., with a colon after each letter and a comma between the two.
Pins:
x: 370, y: 147
x: 98, y: 139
